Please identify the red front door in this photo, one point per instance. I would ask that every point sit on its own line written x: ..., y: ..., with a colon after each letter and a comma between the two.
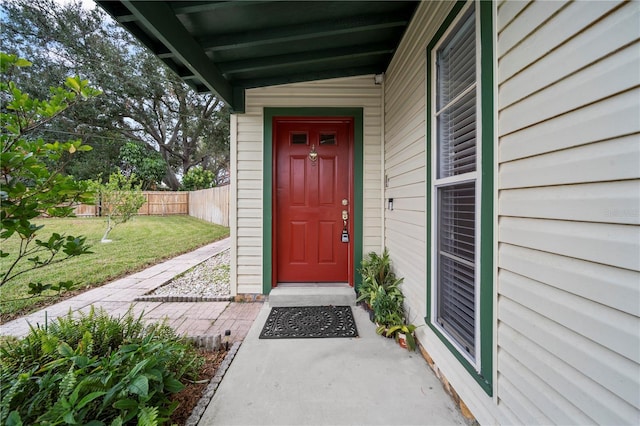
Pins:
x: 313, y: 189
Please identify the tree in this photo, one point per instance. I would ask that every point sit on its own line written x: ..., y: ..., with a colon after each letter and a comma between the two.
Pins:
x: 120, y: 199
x: 143, y: 100
x: 198, y: 178
x: 143, y: 162
x: 31, y: 182
x: 100, y: 161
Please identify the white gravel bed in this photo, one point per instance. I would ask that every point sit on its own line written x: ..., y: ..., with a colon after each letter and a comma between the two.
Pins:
x: 210, y: 278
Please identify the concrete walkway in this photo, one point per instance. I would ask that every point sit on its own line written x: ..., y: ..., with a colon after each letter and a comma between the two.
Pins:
x: 188, y: 318
x: 367, y: 380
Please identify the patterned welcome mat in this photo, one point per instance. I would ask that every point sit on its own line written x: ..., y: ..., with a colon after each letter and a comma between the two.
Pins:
x: 309, y: 322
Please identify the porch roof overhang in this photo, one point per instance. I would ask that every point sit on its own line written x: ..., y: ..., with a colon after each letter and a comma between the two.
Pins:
x: 226, y: 47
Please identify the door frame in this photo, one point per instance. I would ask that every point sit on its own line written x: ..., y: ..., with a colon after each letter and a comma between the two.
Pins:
x: 357, y: 114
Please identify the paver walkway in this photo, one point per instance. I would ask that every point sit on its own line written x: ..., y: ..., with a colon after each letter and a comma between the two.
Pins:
x: 187, y: 318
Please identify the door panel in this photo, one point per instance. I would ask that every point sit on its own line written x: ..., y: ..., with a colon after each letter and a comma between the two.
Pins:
x: 308, y: 199
x: 326, y: 241
x: 327, y: 190
x: 298, y: 246
x: 298, y: 181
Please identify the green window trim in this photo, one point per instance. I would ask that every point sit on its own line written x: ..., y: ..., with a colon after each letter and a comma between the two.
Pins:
x: 358, y: 185
x: 484, y: 377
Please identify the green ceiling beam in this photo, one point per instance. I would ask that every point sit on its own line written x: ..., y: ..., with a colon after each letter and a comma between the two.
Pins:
x: 205, y: 6
x: 308, y: 76
x: 302, y: 58
x: 196, y: 7
x: 284, y: 34
x: 159, y: 19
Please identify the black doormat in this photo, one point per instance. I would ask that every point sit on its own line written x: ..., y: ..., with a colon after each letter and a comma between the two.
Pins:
x: 309, y: 322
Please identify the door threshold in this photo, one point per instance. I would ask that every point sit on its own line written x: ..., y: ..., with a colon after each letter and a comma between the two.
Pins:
x: 314, y: 285
x: 315, y: 294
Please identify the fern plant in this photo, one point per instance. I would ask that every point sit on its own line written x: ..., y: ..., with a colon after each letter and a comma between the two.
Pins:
x: 96, y: 370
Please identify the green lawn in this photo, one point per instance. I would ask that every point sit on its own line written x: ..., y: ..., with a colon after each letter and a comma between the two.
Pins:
x: 143, y: 241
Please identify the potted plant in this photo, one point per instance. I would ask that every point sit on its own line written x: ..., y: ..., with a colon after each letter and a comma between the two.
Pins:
x: 404, y: 335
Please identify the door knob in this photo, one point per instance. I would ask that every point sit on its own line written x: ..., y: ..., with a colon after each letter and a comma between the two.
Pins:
x: 345, y: 215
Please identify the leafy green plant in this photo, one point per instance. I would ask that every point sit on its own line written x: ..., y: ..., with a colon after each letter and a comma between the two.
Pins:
x: 144, y: 162
x: 407, y: 330
x: 31, y: 181
x: 376, y: 274
x: 388, y: 308
x: 380, y: 289
x: 198, y: 178
x: 94, y: 370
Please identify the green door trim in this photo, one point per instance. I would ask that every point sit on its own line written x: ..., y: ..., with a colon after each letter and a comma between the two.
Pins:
x: 267, y: 201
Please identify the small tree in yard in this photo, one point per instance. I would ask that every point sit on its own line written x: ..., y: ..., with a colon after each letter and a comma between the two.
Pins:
x: 120, y: 199
x: 31, y: 182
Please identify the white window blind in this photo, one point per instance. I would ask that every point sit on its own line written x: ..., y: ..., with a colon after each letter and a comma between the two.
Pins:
x: 456, y: 268
x: 455, y: 196
x: 457, y: 130
x: 456, y: 64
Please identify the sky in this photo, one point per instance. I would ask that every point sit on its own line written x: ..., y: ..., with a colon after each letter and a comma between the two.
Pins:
x: 86, y: 4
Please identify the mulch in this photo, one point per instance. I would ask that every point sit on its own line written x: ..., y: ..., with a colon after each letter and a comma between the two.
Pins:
x: 189, y: 396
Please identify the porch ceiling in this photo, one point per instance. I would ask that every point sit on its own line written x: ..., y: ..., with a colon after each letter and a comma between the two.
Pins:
x: 229, y: 46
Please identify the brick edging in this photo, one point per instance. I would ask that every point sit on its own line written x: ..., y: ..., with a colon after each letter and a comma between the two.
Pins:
x: 185, y: 298
x: 211, y: 388
x: 240, y: 298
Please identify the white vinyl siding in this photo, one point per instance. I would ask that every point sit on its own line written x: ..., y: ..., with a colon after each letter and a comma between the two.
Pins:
x: 345, y: 92
x: 247, y: 238
x: 405, y: 157
x: 569, y: 210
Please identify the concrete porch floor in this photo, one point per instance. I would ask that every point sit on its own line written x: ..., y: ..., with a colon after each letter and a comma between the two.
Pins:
x: 368, y: 380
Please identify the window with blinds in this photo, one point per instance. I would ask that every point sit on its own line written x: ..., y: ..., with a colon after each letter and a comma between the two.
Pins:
x: 455, y: 183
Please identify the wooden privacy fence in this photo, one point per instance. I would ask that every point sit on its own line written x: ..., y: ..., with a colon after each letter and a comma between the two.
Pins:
x: 210, y: 204
x: 162, y: 203
x: 86, y: 210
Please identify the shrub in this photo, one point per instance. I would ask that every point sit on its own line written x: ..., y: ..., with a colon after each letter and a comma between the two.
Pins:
x: 31, y: 180
x: 198, y: 178
x: 95, y: 370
